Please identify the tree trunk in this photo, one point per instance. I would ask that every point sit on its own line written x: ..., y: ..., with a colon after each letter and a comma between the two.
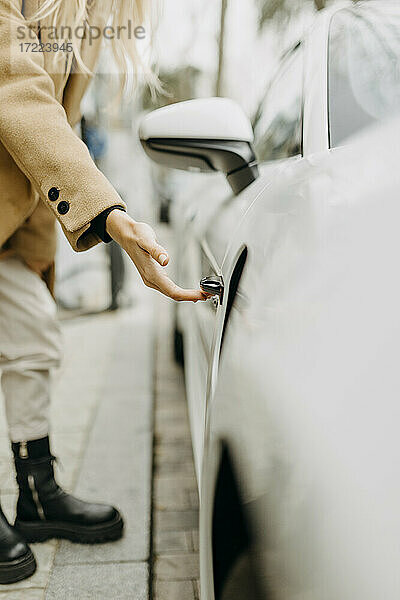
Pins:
x: 221, y: 44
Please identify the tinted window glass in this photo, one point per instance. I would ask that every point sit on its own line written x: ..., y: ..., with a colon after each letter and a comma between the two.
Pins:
x: 364, y: 68
x: 279, y: 131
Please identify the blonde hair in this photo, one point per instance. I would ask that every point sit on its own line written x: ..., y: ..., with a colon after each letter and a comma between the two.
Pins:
x: 69, y: 15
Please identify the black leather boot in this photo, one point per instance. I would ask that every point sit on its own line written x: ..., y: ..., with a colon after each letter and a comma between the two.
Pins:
x: 16, y: 559
x: 45, y: 511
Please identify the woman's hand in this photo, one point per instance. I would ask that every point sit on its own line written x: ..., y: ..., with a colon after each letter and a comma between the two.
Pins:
x: 139, y: 241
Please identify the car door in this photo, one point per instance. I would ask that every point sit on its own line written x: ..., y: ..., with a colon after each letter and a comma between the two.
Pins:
x: 201, y: 257
x: 279, y: 136
x: 217, y: 216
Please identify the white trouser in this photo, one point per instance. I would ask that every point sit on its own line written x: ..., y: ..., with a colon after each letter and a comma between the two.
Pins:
x: 30, y: 347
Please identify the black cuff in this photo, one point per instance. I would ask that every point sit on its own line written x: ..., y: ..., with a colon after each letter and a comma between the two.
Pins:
x: 33, y: 448
x: 98, y: 225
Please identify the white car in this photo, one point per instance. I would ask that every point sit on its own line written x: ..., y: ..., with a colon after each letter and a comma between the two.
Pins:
x: 292, y: 369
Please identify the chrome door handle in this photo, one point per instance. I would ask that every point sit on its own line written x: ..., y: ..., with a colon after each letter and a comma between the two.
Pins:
x: 214, y: 286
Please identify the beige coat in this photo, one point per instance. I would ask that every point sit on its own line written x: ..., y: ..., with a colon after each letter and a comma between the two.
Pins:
x: 46, y: 172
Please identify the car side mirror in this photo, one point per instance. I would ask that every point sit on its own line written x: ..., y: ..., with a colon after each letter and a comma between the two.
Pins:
x: 211, y: 134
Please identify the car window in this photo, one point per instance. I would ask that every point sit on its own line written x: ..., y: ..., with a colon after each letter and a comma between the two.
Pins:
x: 279, y: 131
x: 364, y: 68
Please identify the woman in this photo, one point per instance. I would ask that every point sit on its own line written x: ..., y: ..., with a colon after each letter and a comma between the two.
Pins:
x: 46, y: 173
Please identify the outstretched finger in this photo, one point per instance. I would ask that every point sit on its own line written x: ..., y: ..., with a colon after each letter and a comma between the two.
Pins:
x: 167, y: 287
x: 182, y: 295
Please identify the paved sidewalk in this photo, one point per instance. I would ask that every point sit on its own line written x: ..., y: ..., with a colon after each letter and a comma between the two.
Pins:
x: 175, y: 497
x: 102, y: 430
x: 117, y: 367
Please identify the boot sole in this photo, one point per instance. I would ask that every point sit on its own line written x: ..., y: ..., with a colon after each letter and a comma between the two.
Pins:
x: 16, y: 570
x: 34, y: 531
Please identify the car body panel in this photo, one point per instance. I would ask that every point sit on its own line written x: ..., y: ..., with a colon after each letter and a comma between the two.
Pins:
x: 206, y: 242
x: 310, y: 408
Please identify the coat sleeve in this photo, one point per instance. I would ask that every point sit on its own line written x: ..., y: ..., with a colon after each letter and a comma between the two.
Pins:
x: 35, y: 131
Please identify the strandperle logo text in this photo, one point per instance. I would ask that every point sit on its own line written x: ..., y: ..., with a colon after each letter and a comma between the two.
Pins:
x: 89, y: 32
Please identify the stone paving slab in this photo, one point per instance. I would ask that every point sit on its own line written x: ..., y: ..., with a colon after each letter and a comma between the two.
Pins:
x: 44, y: 554
x: 181, y: 590
x: 172, y: 542
x: 177, y: 567
x: 34, y: 594
x: 98, y: 582
x: 117, y: 465
x: 175, y: 493
x: 128, y: 487
x: 177, y: 520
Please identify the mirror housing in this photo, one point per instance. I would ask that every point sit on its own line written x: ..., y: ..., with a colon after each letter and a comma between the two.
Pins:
x: 203, y: 135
